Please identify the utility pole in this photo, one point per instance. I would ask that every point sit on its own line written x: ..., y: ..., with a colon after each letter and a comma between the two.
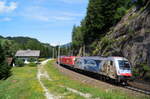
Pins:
x: 58, y: 54
x: 53, y: 53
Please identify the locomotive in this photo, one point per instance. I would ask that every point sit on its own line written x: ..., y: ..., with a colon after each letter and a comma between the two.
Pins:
x: 67, y: 60
x: 116, y: 68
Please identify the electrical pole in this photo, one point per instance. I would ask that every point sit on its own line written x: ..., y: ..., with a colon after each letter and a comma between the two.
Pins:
x: 53, y: 53
x: 58, y: 54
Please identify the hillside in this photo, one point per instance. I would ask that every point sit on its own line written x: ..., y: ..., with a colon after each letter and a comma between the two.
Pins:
x: 130, y: 38
x: 23, y: 43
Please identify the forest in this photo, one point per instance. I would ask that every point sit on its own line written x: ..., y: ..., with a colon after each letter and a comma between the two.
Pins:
x: 101, y: 16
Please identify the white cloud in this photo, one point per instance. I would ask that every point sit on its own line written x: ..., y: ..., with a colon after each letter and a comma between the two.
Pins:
x: 6, y: 19
x: 63, y: 18
x: 54, y: 44
x: 43, y: 14
x: 4, y: 8
x: 36, y: 17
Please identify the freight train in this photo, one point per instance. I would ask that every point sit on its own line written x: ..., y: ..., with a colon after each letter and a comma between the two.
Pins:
x: 115, y: 68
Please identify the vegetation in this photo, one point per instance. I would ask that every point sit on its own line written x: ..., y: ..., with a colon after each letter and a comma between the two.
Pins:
x: 32, y: 64
x: 31, y: 59
x: 12, y: 44
x: 9, y: 46
x: 4, y: 67
x: 23, y: 84
x: 41, y: 59
x: 19, y: 62
x: 101, y: 16
x: 142, y: 72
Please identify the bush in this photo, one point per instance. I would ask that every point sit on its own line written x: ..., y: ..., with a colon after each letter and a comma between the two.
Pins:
x: 142, y: 71
x: 32, y: 64
x: 4, y: 71
x: 4, y: 67
x: 19, y: 62
x: 32, y: 59
x: 135, y: 72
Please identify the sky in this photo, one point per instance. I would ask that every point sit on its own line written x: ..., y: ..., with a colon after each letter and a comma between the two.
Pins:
x: 49, y: 21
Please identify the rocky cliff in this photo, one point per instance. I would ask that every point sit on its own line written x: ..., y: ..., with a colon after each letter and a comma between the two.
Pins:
x: 130, y: 37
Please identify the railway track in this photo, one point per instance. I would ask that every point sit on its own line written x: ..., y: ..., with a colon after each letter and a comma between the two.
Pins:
x: 97, y: 78
x: 138, y: 90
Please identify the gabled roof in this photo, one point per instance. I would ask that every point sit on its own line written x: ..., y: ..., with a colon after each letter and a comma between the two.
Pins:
x: 28, y: 53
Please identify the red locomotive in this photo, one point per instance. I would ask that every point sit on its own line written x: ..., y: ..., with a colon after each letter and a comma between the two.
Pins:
x: 67, y: 60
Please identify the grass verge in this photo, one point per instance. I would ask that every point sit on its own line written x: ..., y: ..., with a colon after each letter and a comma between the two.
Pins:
x: 23, y: 84
x: 58, y: 80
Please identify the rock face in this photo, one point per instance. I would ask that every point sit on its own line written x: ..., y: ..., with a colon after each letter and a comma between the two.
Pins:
x: 130, y: 37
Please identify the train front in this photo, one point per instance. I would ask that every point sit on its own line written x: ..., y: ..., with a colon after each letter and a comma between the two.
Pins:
x: 124, y: 70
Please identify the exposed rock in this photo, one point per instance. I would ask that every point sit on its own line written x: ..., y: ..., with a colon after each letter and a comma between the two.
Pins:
x: 130, y: 37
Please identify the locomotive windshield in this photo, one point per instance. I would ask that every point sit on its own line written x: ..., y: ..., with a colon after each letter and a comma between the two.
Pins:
x: 123, y: 64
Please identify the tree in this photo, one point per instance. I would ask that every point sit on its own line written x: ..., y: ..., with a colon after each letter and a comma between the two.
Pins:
x: 4, y: 68
x: 101, y: 15
x: 77, y: 38
x: 10, y: 48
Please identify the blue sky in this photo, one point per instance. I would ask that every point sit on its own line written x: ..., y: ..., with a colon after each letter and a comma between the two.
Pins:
x: 50, y: 21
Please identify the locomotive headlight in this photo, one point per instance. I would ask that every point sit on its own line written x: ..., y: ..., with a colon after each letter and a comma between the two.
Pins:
x: 74, y: 59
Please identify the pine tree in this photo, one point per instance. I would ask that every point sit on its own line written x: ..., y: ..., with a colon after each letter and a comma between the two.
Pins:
x: 101, y: 15
x: 4, y: 68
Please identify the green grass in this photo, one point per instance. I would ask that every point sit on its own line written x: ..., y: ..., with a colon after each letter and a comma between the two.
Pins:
x: 60, y: 80
x: 41, y: 59
x: 23, y: 84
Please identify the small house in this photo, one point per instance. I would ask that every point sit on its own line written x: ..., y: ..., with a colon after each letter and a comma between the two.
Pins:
x: 27, y: 54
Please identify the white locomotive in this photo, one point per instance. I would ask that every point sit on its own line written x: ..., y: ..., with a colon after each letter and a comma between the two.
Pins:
x: 117, y: 68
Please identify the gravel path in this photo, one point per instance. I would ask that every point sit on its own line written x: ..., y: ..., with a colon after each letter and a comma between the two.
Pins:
x: 42, y: 73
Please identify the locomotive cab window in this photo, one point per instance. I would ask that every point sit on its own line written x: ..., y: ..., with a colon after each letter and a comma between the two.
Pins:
x: 123, y: 64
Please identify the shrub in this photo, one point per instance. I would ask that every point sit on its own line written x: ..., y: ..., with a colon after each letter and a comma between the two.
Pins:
x: 135, y: 72
x: 142, y: 71
x: 32, y: 64
x: 19, y: 62
x: 4, y: 71
x: 4, y: 67
x: 32, y: 59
